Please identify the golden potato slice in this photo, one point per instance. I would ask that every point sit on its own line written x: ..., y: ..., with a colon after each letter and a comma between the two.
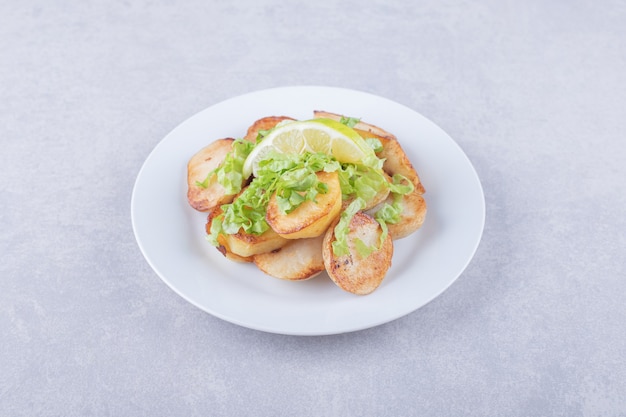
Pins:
x: 412, y: 216
x: 351, y: 272
x: 198, y: 167
x: 298, y: 260
x: 311, y: 218
x: 380, y: 197
x: 396, y: 162
x: 266, y: 123
x: 245, y: 245
x: 224, y: 250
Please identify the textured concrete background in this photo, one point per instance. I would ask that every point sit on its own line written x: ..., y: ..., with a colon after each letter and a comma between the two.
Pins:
x: 534, y: 92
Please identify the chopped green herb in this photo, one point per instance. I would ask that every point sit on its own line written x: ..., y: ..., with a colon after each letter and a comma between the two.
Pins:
x: 228, y: 174
x: 349, y: 121
x: 375, y: 144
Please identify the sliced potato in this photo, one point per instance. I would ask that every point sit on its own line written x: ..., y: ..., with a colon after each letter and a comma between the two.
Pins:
x: 246, y: 244
x: 298, y: 260
x: 412, y: 216
x: 380, y: 197
x: 352, y: 272
x: 242, y: 245
x: 298, y: 245
x: 198, y: 167
x: 265, y: 123
x: 224, y: 250
x: 311, y: 218
x: 396, y: 162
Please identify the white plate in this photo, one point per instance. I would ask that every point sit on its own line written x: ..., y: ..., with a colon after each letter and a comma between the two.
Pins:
x: 171, y: 234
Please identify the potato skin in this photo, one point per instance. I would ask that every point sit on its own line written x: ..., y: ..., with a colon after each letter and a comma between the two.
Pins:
x: 198, y: 167
x: 310, y: 219
x: 298, y: 260
x: 351, y: 272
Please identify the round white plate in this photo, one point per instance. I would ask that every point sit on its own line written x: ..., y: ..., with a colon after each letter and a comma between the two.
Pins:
x: 171, y: 234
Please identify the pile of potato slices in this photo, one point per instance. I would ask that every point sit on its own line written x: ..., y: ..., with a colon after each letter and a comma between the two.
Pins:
x: 299, y: 245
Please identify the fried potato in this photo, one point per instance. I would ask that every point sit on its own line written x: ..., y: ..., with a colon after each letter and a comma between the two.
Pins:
x: 311, y: 218
x: 380, y: 197
x: 397, y: 162
x: 242, y: 245
x: 298, y: 260
x: 246, y: 244
x: 299, y: 245
x: 198, y: 167
x: 265, y: 123
x: 352, y: 272
x: 222, y: 248
x: 412, y: 216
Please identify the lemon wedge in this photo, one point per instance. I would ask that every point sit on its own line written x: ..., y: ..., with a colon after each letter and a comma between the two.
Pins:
x: 317, y: 135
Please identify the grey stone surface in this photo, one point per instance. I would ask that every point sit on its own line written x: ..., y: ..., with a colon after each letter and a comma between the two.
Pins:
x: 534, y: 92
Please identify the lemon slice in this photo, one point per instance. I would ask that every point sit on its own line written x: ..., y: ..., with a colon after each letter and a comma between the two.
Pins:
x: 317, y: 135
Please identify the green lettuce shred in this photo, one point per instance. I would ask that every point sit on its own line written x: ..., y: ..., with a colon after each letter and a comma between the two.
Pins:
x: 375, y: 144
x: 229, y: 173
x: 292, y: 177
x: 349, y: 121
x: 340, y: 244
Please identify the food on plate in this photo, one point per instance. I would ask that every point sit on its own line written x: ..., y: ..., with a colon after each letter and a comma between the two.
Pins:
x: 299, y: 197
x: 206, y: 160
x: 298, y: 260
x: 324, y: 136
x: 242, y: 245
x: 312, y: 217
x: 352, y: 271
x: 394, y: 157
x: 262, y: 126
x: 410, y: 218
